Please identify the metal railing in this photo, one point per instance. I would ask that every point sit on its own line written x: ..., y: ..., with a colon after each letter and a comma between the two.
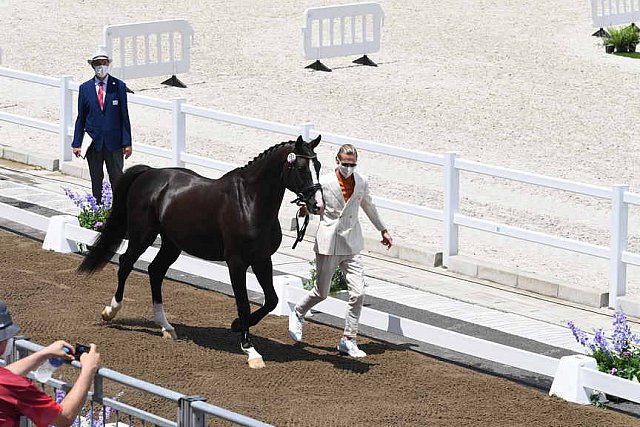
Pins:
x: 192, y: 410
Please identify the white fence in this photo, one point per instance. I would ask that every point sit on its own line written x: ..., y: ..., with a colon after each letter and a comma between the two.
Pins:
x: 619, y: 196
x: 146, y: 49
x: 350, y: 29
x: 605, y: 13
x: 63, y: 232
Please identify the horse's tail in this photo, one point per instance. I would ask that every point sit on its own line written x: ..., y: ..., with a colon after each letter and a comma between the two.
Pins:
x: 115, y: 227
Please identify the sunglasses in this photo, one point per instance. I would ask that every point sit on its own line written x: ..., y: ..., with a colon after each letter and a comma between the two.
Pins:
x: 349, y: 165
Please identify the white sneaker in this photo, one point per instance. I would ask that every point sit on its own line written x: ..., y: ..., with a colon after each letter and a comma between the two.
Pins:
x: 350, y: 347
x: 295, y: 326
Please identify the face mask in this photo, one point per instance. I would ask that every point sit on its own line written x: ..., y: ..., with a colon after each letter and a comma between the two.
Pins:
x: 101, y: 71
x: 7, y: 349
x: 346, y: 171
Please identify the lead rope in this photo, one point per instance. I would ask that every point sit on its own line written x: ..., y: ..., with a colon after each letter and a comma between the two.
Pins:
x: 300, y: 230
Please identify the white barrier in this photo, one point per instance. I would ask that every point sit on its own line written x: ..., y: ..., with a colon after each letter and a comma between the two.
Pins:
x: 619, y: 196
x: 577, y: 378
x: 350, y: 29
x: 605, y: 13
x: 147, y: 49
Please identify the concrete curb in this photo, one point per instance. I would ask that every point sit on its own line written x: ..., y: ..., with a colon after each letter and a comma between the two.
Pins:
x: 29, y: 159
x: 527, y: 281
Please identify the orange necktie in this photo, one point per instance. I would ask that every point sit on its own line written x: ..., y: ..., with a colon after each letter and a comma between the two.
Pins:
x: 100, y: 94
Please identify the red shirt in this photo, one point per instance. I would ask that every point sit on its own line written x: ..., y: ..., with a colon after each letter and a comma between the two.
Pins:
x: 19, y: 397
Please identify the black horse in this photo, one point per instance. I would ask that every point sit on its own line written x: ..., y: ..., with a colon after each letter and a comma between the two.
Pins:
x: 234, y: 218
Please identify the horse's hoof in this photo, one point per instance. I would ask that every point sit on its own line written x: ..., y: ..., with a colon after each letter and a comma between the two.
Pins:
x: 108, y: 313
x: 169, y: 334
x: 235, y: 326
x: 256, y: 363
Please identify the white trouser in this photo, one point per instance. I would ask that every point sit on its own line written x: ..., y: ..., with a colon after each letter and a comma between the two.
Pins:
x: 351, y: 266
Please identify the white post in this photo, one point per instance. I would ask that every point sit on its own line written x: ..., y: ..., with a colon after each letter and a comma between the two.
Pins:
x: 56, y: 239
x: 619, y: 235
x: 305, y: 131
x: 566, y: 383
x: 178, y: 131
x: 280, y: 284
x: 66, y: 105
x: 451, y: 202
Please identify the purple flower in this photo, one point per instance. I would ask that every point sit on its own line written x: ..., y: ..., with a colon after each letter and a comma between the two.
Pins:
x: 580, y: 336
x: 602, y: 343
x: 59, y: 395
x: 622, y: 336
x: 107, y: 195
x: 613, y: 371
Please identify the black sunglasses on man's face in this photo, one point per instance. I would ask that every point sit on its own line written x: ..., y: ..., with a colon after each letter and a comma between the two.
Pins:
x: 349, y: 165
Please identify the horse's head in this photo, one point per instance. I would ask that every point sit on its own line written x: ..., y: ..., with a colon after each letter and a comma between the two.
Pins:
x: 302, y: 174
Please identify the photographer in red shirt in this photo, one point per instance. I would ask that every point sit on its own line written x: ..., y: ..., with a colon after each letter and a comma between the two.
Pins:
x: 18, y: 397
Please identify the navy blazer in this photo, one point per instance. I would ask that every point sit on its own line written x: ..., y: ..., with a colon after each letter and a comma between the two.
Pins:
x: 109, y: 127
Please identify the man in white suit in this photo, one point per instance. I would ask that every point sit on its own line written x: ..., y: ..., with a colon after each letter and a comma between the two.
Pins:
x: 338, y: 243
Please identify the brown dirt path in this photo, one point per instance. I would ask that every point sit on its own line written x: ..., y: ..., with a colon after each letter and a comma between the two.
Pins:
x: 301, y: 385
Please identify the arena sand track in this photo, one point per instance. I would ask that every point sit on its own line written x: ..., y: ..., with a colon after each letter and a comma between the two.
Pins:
x: 301, y: 385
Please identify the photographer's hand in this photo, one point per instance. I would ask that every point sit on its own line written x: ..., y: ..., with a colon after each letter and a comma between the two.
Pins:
x: 57, y: 349
x: 60, y: 348
x: 90, y: 360
x: 73, y: 401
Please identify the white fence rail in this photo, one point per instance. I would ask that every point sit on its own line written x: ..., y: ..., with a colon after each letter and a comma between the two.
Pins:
x: 350, y: 29
x: 147, y: 49
x: 605, y: 13
x: 289, y: 291
x: 619, y: 196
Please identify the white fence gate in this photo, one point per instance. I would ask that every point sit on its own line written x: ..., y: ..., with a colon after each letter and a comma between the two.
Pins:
x: 605, y: 13
x: 147, y: 49
x: 350, y: 29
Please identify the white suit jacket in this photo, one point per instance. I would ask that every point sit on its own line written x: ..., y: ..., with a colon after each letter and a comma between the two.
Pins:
x: 339, y: 231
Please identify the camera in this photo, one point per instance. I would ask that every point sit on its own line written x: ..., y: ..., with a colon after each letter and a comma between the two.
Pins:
x: 80, y: 348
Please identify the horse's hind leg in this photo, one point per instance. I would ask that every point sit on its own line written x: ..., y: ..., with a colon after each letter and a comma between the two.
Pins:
x: 167, y: 255
x: 136, y: 247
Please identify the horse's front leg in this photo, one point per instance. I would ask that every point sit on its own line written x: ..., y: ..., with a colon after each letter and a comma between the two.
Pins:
x: 263, y: 269
x: 166, y: 256
x: 238, y: 272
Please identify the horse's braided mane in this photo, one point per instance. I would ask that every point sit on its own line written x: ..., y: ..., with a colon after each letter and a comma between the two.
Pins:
x: 265, y: 153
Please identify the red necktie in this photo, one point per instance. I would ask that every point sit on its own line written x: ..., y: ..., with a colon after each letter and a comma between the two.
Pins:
x: 100, y: 94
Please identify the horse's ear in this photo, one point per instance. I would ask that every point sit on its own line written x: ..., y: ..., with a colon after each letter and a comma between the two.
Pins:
x: 315, y: 142
x: 299, y: 142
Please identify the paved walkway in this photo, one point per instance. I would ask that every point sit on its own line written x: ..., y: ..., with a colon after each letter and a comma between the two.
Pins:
x: 434, y: 290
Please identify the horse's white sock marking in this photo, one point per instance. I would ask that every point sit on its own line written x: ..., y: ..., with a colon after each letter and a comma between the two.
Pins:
x: 160, y: 318
x: 111, y: 310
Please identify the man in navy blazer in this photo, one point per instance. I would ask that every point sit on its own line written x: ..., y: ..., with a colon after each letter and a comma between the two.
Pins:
x: 104, y: 115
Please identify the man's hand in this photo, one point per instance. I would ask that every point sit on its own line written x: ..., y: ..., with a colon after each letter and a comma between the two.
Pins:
x: 57, y: 349
x: 386, y: 239
x: 90, y: 360
x: 77, y: 151
x: 127, y: 151
x: 303, y: 211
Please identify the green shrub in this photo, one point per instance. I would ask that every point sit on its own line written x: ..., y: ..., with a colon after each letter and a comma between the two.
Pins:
x: 338, y: 280
x: 622, y: 38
